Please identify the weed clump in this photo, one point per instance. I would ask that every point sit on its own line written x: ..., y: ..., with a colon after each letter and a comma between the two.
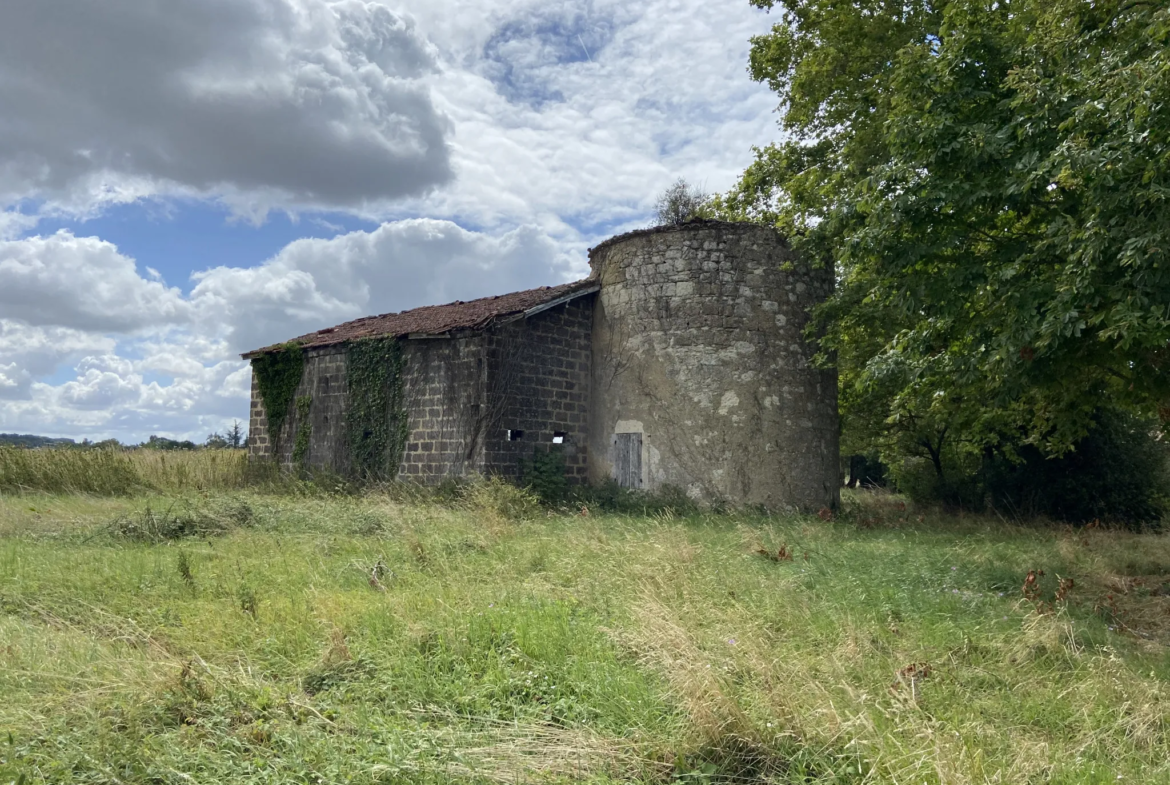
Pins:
x: 542, y: 487
x: 670, y: 500
x: 544, y: 475
x: 184, y: 568
x: 330, y: 675
x: 495, y: 497
x: 337, y: 667
x: 248, y: 601
x: 183, y: 520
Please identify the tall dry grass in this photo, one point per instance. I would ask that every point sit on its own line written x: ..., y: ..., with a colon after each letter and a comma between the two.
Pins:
x: 202, y: 470
x: 117, y: 472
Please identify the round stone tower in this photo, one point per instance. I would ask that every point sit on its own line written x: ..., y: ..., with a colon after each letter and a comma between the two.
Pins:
x: 701, y: 375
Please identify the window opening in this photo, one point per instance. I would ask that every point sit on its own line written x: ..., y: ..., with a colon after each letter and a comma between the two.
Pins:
x: 515, y: 435
x: 559, y: 437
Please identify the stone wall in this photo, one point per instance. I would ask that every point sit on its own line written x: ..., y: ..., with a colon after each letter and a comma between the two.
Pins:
x: 443, y: 392
x: 442, y: 387
x: 462, y: 395
x: 539, y: 380
x: 324, y: 379
x: 259, y: 443
x: 699, y: 350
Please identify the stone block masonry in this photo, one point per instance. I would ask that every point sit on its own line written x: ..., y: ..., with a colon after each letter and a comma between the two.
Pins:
x: 441, y: 387
x: 324, y: 380
x: 259, y: 444
x: 540, y: 383
x: 700, y: 363
x: 443, y: 395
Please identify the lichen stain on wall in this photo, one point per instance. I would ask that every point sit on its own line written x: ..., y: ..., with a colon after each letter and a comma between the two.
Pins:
x: 728, y: 402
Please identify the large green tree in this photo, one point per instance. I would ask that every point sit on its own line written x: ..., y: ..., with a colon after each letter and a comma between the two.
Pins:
x: 990, y: 179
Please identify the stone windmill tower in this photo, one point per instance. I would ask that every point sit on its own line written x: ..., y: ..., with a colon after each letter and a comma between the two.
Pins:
x: 701, y: 374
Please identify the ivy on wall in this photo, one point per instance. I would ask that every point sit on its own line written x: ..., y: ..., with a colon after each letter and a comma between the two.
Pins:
x: 300, y: 454
x: 277, y: 375
x: 376, y: 419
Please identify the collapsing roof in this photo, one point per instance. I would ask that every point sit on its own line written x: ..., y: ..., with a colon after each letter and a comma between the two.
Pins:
x: 431, y: 320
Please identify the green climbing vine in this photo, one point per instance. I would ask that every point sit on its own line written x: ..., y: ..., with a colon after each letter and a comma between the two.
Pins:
x: 376, y: 417
x: 277, y: 375
x: 300, y: 454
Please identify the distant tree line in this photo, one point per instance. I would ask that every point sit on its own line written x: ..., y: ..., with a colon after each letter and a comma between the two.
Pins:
x: 28, y: 440
x: 232, y: 439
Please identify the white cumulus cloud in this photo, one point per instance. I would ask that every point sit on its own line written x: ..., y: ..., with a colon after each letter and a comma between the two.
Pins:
x: 82, y: 283
x: 28, y: 353
x: 103, y: 382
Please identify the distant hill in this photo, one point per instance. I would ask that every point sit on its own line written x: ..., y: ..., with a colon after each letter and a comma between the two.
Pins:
x: 28, y: 440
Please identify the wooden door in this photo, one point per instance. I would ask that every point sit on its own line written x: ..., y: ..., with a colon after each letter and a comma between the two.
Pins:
x: 627, y: 459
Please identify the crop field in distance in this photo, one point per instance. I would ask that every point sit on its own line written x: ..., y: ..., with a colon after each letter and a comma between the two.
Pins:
x: 179, y: 623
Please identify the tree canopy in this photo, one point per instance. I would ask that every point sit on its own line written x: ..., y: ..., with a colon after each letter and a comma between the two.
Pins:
x: 679, y: 203
x: 990, y: 180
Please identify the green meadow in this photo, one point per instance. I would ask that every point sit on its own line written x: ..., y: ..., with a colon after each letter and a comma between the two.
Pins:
x: 181, y: 635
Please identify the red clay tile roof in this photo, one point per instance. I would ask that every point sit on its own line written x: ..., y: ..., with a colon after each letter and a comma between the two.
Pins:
x: 438, y: 319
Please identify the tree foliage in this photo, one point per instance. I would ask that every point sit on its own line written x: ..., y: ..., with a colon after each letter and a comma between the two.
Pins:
x: 681, y: 202
x: 1117, y: 473
x: 235, y: 435
x: 167, y: 444
x: 991, y: 181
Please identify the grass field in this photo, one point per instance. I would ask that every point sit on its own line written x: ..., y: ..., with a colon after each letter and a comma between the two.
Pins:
x: 120, y: 472
x: 234, y: 636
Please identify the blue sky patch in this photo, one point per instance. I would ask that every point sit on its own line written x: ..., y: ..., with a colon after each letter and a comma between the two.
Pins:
x: 520, y: 52
x: 178, y: 238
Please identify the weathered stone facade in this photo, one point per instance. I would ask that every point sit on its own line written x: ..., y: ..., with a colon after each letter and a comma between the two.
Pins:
x: 701, y: 368
x: 541, y: 372
x: 444, y: 385
x: 465, y: 394
x: 681, y: 361
x: 324, y: 380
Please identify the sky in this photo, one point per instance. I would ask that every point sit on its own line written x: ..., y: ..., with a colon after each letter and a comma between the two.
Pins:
x: 184, y: 180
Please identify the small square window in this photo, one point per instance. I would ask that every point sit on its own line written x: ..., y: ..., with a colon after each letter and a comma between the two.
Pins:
x: 515, y: 435
x: 559, y: 437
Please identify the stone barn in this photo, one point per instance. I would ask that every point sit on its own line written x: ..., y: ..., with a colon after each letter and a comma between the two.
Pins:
x: 680, y: 361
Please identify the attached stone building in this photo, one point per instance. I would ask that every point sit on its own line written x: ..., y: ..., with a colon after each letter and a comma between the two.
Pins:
x: 679, y: 361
